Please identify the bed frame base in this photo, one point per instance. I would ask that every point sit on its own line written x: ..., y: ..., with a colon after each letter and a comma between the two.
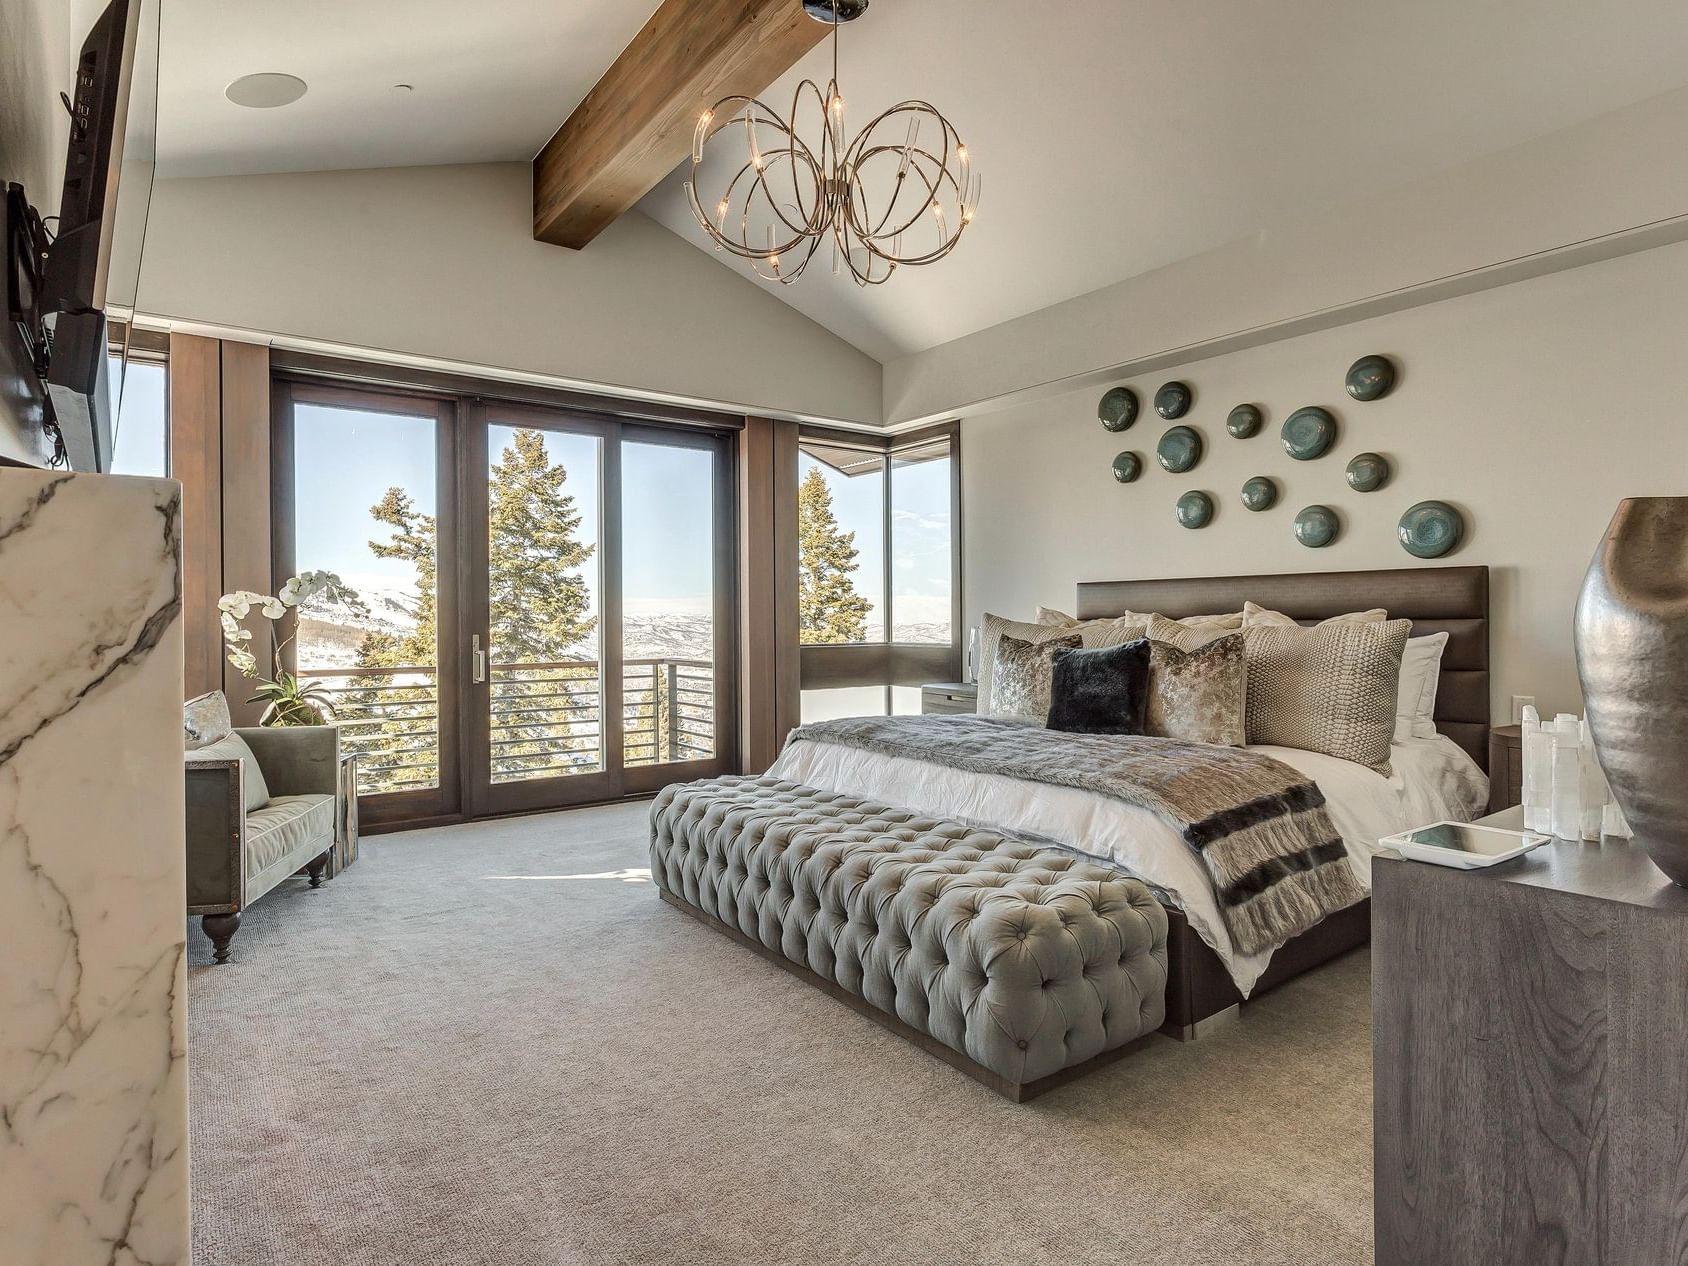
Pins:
x: 1199, y: 990
x: 1013, y: 1091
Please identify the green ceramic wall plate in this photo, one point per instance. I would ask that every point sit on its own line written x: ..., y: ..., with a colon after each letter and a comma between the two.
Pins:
x: 1195, y: 510
x: 1368, y: 472
x: 1117, y: 409
x: 1431, y: 529
x: 1179, y: 450
x: 1173, y: 399
x: 1243, y: 421
x: 1308, y: 433
x: 1260, y: 493
x: 1127, y: 466
x: 1370, y: 378
x: 1317, y: 526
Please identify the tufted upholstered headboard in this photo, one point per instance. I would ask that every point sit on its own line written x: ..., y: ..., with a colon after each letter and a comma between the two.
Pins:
x: 1455, y: 599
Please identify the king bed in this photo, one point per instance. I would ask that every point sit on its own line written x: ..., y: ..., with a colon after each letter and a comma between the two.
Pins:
x: 1433, y: 775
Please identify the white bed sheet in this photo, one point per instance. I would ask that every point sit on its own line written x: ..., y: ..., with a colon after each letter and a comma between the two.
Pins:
x: 1433, y: 779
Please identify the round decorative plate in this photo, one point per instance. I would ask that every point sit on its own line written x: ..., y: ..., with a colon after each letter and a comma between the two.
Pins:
x: 1195, y: 510
x: 1309, y: 433
x: 1243, y: 421
x: 1260, y: 493
x: 1179, y: 449
x: 1173, y: 400
x: 1431, y: 529
x: 1127, y: 466
x: 1118, y: 409
x: 1368, y: 472
x: 1317, y: 526
x: 1370, y: 378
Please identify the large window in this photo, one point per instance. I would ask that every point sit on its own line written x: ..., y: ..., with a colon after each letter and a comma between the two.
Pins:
x: 137, y: 375
x: 877, y: 569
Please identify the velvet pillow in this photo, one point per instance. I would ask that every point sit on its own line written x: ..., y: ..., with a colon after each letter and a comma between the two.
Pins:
x: 1021, y: 672
x: 1100, y: 691
x: 1198, y: 696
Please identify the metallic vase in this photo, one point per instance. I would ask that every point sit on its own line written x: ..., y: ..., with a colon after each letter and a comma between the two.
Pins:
x: 1632, y: 659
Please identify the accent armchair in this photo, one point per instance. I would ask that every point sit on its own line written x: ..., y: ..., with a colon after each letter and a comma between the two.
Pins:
x: 261, y: 805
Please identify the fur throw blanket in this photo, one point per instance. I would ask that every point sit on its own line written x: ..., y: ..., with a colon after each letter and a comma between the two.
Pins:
x: 1276, y: 861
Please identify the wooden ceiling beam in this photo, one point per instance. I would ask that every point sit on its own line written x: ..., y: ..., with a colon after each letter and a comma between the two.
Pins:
x: 636, y: 125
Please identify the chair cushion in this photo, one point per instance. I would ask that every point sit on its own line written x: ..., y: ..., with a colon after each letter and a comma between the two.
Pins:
x: 285, y: 824
x: 233, y: 747
x: 205, y: 720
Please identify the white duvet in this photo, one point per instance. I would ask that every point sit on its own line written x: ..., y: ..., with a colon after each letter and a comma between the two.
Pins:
x: 1433, y: 779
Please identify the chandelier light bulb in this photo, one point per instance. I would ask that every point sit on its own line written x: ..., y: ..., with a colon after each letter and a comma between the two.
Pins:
x: 799, y: 182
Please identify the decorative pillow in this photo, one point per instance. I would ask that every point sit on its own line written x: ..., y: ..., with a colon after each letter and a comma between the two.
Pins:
x: 256, y: 792
x: 1415, y: 699
x: 1260, y: 617
x: 1101, y: 691
x: 1198, y: 696
x: 1330, y: 689
x: 205, y: 720
x: 1048, y: 615
x: 1021, y: 676
x: 1093, y: 633
x: 1186, y: 637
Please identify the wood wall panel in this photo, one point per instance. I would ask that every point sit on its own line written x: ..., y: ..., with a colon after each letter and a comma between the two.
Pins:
x: 768, y: 681
x: 196, y: 459
x: 246, y: 493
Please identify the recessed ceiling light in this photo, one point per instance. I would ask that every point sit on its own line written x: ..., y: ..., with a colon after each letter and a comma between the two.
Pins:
x: 266, y: 91
x: 404, y: 87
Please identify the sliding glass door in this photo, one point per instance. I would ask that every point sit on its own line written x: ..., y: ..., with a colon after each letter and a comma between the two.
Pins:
x: 580, y: 616
x: 364, y: 488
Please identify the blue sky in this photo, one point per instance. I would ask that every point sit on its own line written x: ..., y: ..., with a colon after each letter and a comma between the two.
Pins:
x: 347, y: 459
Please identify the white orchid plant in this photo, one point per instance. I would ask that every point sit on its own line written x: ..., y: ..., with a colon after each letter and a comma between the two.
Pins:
x: 288, y: 700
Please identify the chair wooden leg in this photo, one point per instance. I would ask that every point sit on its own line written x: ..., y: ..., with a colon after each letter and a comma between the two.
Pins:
x: 315, y: 868
x: 221, y: 929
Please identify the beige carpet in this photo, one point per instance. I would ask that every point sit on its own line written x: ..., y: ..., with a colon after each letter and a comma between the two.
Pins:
x: 492, y: 1044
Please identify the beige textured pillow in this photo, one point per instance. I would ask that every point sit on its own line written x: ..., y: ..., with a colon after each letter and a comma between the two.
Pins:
x: 1263, y: 617
x: 233, y: 747
x: 1198, y: 696
x: 1186, y: 637
x: 1022, y: 674
x: 1329, y: 689
x: 1049, y: 615
x: 1095, y: 633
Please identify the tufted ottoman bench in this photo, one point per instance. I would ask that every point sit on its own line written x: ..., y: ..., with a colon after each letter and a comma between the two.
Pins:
x: 1018, y: 962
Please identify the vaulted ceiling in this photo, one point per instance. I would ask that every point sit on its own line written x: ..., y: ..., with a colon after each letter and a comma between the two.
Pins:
x: 1115, y: 136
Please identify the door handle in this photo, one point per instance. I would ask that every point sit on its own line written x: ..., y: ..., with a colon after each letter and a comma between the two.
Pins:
x: 477, y: 660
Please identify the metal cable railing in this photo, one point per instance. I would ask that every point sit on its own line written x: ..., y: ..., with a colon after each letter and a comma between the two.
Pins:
x: 545, y: 719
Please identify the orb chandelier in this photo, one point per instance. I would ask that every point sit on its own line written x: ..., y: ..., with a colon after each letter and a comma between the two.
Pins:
x: 902, y: 192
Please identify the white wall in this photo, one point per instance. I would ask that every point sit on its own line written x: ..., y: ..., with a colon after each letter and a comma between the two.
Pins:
x: 1534, y: 407
x: 1588, y: 191
x: 441, y: 262
x: 38, y: 46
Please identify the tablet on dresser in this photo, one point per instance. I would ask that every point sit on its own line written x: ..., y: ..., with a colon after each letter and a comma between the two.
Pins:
x: 1463, y: 844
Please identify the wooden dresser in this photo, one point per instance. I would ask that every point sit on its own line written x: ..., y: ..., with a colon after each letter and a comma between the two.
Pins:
x: 1530, y: 1075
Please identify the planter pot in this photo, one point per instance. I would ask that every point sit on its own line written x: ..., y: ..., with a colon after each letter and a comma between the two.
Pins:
x: 1632, y: 660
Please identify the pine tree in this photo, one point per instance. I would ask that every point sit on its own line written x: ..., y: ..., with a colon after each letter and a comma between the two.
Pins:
x: 539, y: 594
x: 829, y: 608
x: 539, y: 614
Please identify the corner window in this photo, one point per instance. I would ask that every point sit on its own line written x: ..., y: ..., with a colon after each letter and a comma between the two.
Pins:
x: 878, y: 564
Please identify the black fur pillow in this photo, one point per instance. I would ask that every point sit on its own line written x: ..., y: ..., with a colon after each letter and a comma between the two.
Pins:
x: 1101, y: 691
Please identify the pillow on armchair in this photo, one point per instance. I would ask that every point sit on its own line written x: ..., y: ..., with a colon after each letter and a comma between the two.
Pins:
x: 205, y: 720
x: 208, y: 735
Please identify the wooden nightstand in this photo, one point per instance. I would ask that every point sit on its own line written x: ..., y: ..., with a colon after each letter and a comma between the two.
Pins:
x: 948, y: 698
x: 1506, y: 767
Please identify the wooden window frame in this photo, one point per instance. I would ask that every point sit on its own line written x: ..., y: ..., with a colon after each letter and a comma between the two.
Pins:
x: 856, y: 665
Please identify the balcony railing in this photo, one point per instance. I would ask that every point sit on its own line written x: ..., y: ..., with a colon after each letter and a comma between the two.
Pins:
x: 545, y: 721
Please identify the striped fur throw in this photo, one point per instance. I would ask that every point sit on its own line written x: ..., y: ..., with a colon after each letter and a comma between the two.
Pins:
x: 1277, y: 864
